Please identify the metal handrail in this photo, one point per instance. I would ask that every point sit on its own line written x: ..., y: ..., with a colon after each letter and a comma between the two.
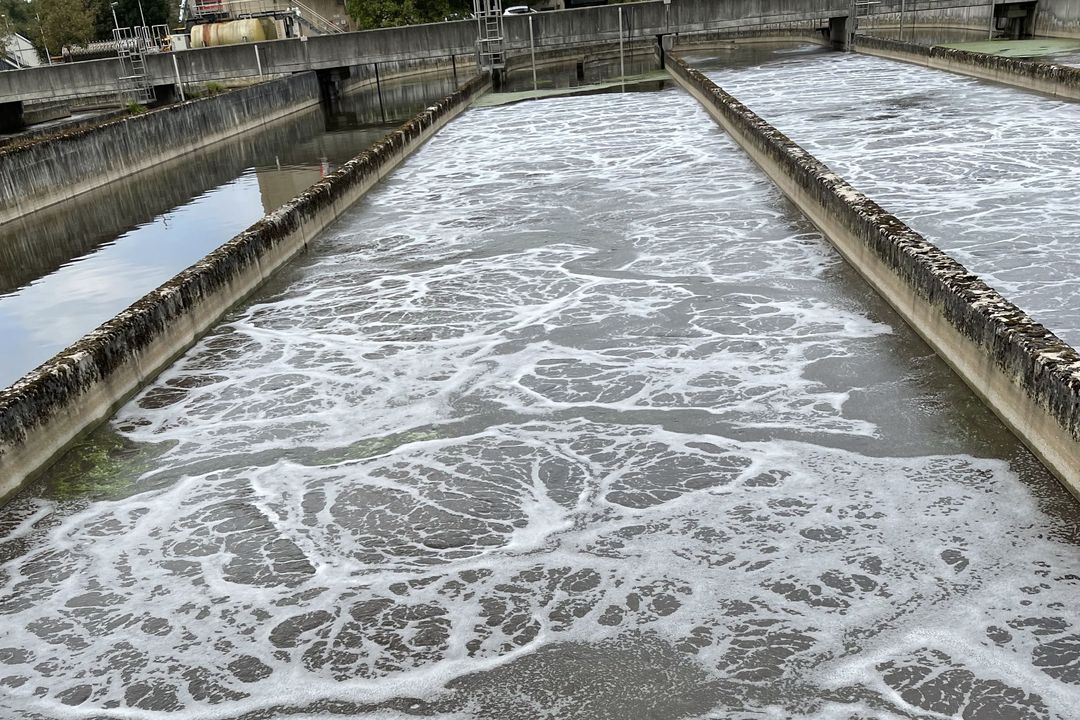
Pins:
x: 197, y: 9
x: 328, y: 25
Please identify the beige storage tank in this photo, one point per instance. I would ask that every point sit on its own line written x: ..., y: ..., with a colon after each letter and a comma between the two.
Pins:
x: 235, y: 31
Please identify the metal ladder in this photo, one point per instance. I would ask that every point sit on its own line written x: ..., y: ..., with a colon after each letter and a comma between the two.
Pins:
x: 131, y: 46
x: 489, y: 39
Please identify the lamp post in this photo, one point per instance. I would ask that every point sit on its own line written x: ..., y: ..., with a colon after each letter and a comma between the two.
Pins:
x: 116, y: 23
x: 141, y: 16
x: 44, y: 42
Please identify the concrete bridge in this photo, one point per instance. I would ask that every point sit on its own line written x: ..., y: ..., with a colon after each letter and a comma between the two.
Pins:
x: 550, y: 31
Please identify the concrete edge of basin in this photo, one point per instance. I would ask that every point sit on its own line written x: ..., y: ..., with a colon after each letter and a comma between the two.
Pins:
x: 48, y: 409
x: 1023, y: 372
x: 50, y: 170
x: 1060, y: 81
x: 55, y: 168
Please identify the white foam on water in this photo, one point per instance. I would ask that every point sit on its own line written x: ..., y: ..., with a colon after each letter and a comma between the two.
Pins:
x: 556, y: 427
x: 986, y: 172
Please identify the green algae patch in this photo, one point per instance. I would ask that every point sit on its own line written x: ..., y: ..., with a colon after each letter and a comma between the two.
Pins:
x: 371, y: 447
x: 103, y: 466
x: 1018, y: 48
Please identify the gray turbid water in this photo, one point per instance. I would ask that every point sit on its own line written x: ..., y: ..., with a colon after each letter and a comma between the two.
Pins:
x: 68, y: 268
x: 572, y: 417
x: 1066, y: 58
x: 986, y: 172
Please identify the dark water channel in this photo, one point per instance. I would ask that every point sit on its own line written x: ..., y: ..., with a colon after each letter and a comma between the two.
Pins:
x: 70, y: 267
x: 572, y: 417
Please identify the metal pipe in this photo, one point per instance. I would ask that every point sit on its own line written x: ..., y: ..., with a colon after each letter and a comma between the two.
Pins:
x: 44, y: 43
x: 258, y: 60
x: 532, y: 50
x: 901, y: 20
x: 378, y: 88
x: 179, y: 82
x: 622, y: 62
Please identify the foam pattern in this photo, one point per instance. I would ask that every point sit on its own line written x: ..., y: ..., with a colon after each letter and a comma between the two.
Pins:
x: 582, y: 423
x: 986, y: 172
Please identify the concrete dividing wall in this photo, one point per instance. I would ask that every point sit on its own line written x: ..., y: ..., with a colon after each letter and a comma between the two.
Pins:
x: 1054, y: 18
x: 1029, y: 377
x: 712, y: 39
x: 596, y: 52
x: 1058, y: 18
x: 50, y: 407
x: 975, y: 18
x: 1058, y: 80
x: 648, y: 19
x: 40, y: 174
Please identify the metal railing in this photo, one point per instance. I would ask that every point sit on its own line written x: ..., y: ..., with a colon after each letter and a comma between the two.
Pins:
x: 320, y: 22
x: 238, y: 9
x: 489, y: 33
x: 132, y: 44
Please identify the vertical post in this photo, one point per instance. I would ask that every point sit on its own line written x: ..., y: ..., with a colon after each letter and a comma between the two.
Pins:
x: 851, y: 27
x: 258, y: 60
x: 378, y: 89
x: 179, y: 82
x: 532, y: 50
x: 622, y: 62
x: 45, y: 44
x: 901, y: 20
x: 991, y: 36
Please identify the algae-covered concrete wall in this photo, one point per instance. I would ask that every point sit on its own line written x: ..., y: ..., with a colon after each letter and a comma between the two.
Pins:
x: 1058, y: 80
x: 39, y: 174
x: 1029, y: 377
x: 1054, y: 18
x: 46, y: 410
x: 1058, y: 18
x: 712, y: 39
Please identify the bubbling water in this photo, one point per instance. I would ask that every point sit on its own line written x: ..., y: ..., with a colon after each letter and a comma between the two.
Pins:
x: 583, y: 423
x: 986, y: 172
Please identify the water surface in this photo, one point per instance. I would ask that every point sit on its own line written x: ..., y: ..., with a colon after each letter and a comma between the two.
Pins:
x: 583, y: 423
x: 986, y: 172
x: 69, y: 268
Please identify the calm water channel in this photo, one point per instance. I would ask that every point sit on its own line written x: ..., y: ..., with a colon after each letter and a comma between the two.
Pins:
x: 65, y: 270
x: 988, y: 173
x: 572, y: 417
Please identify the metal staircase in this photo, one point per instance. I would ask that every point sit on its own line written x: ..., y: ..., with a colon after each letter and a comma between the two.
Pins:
x: 319, y: 23
x: 489, y: 39
x: 131, y: 48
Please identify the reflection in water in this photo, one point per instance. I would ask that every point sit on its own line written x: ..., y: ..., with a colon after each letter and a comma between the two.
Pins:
x: 582, y: 423
x: 590, y: 71
x: 986, y: 172
x: 72, y: 266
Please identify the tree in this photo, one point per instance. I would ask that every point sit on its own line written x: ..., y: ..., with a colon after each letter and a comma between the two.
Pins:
x: 370, y: 14
x: 63, y: 22
x: 157, y: 12
x: 15, y: 17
